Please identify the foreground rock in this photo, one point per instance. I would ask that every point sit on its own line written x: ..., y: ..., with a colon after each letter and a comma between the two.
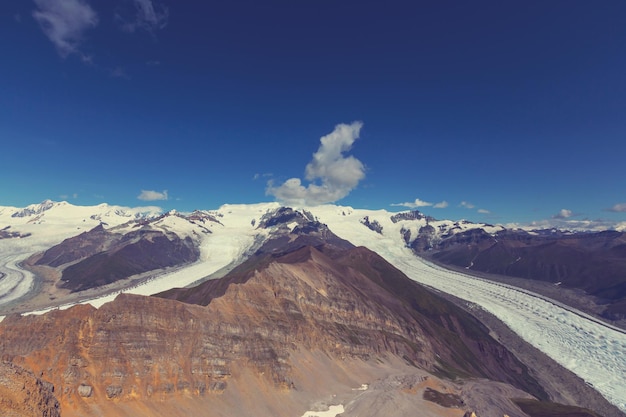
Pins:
x: 24, y: 395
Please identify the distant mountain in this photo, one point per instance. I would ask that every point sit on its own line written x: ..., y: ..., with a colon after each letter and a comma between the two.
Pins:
x: 591, y: 261
x: 258, y: 296
x: 304, y: 305
x: 102, y: 256
x: 104, y: 244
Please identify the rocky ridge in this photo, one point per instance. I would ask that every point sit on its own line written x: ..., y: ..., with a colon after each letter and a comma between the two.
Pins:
x: 304, y: 291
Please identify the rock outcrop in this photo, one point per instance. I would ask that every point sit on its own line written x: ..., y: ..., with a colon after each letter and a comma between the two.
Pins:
x: 22, y: 394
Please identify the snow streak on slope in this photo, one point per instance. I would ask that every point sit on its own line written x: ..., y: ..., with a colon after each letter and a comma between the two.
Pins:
x: 593, y: 351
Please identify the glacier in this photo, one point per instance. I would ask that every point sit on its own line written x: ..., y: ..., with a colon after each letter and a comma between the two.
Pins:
x: 589, y: 348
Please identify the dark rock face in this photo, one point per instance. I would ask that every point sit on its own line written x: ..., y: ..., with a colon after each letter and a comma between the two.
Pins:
x: 85, y: 244
x: 136, y: 253
x: 372, y: 225
x: 424, y: 240
x: 34, y: 209
x: 307, y: 231
x: 6, y: 233
x: 408, y: 215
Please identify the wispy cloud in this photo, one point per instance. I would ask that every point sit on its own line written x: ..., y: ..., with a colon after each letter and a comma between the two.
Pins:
x: 421, y: 203
x: 264, y: 175
x: 414, y: 204
x: 573, y: 224
x: 563, y: 214
x: 483, y: 211
x: 64, y: 23
x: 618, y: 208
x: 148, y: 195
x: 119, y: 72
x: 148, y: 15
x: 336, y: 175
x: 466, y: 205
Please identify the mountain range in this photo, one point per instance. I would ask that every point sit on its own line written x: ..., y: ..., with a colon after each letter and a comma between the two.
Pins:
x: 269, y: 310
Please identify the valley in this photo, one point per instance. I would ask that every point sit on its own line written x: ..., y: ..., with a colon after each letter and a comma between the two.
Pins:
x: 587, y: 347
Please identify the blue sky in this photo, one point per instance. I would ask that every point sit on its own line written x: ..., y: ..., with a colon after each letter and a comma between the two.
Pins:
x: 505, y: 112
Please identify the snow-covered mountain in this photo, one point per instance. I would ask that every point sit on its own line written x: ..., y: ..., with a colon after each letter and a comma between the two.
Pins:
x: 227, y: 236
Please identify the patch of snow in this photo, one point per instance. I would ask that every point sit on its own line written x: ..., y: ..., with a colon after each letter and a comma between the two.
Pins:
x: 333, y: 411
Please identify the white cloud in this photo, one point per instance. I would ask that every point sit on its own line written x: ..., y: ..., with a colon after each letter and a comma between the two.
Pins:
x: 119, y: 72
x: 563, y: 214
x: 148, y: 15
x: 442, y: 204
x: 335, y: 173
x: 64, y: 23
x: 596, y: 225
x: 265, y: 175
x: 619, y: 208
x: 147, y: 195
x: 415, y: 204
x: 484, y: 211
x: 467, y: 205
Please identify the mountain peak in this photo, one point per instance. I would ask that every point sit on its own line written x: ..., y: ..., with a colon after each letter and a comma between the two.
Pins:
x: 35, y: 209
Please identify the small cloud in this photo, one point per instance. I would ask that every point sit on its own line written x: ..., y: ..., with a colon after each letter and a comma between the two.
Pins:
x: 563, y: 214
x: 415, y: 204
x: 147, y: 195
x: 153, y: 63
x: 17, y: 17
x: 67, y: 196
x: 467, y: 205
x: 336, y: 175
x: 257, y: 176
x: 148, y: 15
x: 119, y: 72
x: 483, y: 211
x: 64, y: 23
x: 574, y: 224
x: 618, y: 208
x: 442, y: 204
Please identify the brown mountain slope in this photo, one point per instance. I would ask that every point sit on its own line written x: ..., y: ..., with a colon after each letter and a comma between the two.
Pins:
x: 268, y: 339
x: 357, y: 297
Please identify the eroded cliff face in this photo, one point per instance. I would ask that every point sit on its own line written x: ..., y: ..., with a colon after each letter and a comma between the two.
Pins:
x: 22, y: 394
x: 253, y: 324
